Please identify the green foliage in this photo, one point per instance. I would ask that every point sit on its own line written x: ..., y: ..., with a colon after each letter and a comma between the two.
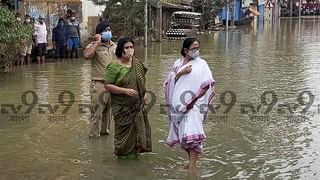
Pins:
x: 126, y: 19
x: 13, y: 35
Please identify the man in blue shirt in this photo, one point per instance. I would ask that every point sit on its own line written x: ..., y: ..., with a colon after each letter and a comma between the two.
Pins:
x: 59, y: 39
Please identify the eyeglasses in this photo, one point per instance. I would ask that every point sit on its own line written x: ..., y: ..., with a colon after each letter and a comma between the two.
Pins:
x: 127, y: 47
x: 195, y: 48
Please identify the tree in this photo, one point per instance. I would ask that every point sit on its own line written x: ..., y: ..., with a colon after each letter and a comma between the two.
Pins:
x: 126, y: 16
x: 13, y: 35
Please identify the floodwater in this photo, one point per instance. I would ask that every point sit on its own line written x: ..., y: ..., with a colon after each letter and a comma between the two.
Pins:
x: 274, y: 69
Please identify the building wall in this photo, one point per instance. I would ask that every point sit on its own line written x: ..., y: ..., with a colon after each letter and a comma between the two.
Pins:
x: 90, y: 10
x: 238, y: 10
x: 92, y: 24
x: 166, y: 18
x: 241, y: 7
x: 90, y: 16
x: 52, y: 10
x: 238, y: 13
x: 261, y: 11
x: 246, y: 3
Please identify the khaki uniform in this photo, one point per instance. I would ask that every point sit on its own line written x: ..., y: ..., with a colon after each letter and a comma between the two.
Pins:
x: 100, y: 99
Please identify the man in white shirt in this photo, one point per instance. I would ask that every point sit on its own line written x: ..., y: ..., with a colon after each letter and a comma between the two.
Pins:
x: 41, y: 40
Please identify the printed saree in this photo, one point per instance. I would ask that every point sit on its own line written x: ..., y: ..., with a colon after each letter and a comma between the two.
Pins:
x: 132, y: 128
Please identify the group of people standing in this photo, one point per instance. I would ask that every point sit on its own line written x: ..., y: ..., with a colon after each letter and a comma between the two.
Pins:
x: 118, y: 91
x: 65, y: 38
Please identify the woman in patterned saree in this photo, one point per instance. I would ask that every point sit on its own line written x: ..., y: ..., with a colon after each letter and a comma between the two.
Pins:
x: 125, y: 79
x: 189, y: 89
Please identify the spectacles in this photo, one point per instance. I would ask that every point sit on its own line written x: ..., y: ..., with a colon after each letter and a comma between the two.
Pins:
x: 127, y: 47
x: 195, y: 48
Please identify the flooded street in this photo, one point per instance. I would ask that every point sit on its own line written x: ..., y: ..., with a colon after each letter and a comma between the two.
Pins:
x: 274, y: 140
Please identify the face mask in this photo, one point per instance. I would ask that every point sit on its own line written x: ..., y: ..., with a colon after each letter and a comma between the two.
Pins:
x: 128, y: 53
x: 18, y: 19
x: 28, y: 20
x: 194, y: 54
x: 106, y: 36
x: 73, y: 18
x: 61, y: 24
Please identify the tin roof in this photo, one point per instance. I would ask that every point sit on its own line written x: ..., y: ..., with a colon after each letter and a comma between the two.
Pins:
x: 52, y: 0
x: 187, y: 13
x: 175, y: 6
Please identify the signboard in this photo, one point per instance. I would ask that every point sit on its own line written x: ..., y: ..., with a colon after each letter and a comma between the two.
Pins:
x: 269, y: 4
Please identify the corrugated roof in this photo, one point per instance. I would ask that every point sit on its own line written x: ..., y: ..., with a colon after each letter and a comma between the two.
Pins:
x: 185, y: 12
x: 175, y: 6
x: 52, y: 0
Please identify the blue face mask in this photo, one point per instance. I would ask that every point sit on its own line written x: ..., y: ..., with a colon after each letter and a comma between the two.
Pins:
x: 106, y: 36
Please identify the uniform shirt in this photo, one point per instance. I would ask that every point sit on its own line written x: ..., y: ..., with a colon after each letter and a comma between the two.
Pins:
x: 103, y: 57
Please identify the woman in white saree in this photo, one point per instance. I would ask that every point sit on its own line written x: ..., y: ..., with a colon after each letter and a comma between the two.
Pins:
x: 189, y: 88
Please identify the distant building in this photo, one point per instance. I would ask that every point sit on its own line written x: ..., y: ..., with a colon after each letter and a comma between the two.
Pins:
x: 241, y: 7
x: 90, y: 13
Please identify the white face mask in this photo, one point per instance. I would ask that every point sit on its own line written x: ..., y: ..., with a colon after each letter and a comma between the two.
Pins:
x: 73, y: 18
x: 28, y: 20
x: 18, y: 19
x: 128, y: 53
x: 194, y: 54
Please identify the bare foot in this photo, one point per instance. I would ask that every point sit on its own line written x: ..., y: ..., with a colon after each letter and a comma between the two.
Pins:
x: 192, y: 169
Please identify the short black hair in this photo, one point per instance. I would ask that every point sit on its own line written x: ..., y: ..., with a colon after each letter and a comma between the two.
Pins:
x: 120, y: 46
x: 186, y: 44
x: 69, y: 11
x: 102, y: 26
x: 26, y: 16
x: 61, y: 19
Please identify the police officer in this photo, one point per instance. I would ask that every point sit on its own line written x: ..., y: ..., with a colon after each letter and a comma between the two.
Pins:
x: 101, y: 53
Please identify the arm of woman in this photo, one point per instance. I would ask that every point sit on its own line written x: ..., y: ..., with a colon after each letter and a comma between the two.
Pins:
x: 110, y: 80
x: 115, y: 89
x: 186, y: 70
x: 119, y: 90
